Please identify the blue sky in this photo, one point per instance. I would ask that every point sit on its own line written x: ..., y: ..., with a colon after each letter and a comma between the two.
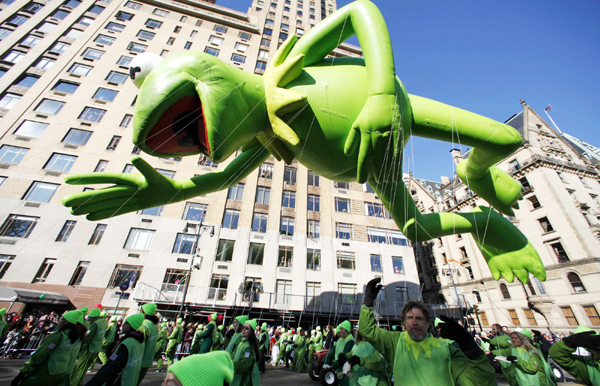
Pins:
x: 483, y: 56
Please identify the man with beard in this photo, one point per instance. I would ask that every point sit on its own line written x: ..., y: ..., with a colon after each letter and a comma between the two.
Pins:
x: 416, y: 356
x: 500, y: 341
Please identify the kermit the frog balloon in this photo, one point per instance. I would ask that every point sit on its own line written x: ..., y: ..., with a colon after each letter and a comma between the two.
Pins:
x: 347, y: 119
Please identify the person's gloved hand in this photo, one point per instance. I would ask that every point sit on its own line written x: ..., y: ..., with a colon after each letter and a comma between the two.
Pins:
x: 17, y: 380
x: 449, y: 329
x: 587, y: 339
x: 342, y: 359
x: 536, y: 334
x: 371, y: 291
x: 511, y: 358
x: 355, y: 360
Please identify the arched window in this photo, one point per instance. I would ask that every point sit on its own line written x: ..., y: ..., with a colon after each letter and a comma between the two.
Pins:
x: 575, y: 282
x: 477, y: 296
x: 504, y: 290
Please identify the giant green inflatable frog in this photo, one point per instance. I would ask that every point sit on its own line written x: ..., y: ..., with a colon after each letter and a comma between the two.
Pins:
x: 347, y: 119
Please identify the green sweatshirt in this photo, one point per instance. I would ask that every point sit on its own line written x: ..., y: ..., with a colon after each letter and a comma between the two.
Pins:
x: 584, y: 369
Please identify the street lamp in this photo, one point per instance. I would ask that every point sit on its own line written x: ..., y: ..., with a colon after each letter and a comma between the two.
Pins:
x: 195, y: 253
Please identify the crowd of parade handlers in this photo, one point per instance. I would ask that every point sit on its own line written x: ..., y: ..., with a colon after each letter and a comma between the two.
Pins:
x: 424, y: 351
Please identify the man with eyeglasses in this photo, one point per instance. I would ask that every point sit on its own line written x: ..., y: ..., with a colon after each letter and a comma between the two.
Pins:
x: 416, y: 356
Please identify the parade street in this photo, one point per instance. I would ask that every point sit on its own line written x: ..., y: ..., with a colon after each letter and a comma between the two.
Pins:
x: 273, y: 377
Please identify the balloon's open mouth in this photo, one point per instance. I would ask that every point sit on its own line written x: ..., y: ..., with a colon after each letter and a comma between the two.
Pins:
x: 180, y: 129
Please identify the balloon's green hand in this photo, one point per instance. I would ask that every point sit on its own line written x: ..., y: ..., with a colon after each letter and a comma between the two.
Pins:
x: 130, y: 192
x: 378, y: 119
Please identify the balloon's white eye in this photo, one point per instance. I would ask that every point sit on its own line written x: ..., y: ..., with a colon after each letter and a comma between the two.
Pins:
x: 141, y: 66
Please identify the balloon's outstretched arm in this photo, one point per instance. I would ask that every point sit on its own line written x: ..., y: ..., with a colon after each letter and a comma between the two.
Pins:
x: 491, y: 141
x: 133, y: 192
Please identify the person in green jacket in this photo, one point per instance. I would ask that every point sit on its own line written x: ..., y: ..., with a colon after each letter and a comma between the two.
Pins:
x: 109, y: 339
x: 195, y: 346
x: 90, y: 347
x: 209, y: 335
x: 150, y: 330
x: 245, y: 356
x: 174, y: 339
x: 212, y: 369
x: 302, y: 354
x: 418, y: 358
x: 263, y: 341
x: 123, y: 367
x: 281, y: 343
x: 238, y: 324
x: 343, y: 345
x: 217, y: 345
x: 317, y: 343
x: 56, y: 356
x: 299, y: 347
x: 500, y: 341
x: 161, y: 344
x: 368, y: 366
x: 584, y: 369
x: 3, y: 325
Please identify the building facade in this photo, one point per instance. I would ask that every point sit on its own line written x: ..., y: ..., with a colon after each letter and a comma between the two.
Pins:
x: 559, y: 214
x: 283, y: 243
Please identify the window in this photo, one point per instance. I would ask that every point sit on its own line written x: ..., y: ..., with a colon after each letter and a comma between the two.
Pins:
x: 104, y: 94
x: 313, y: 179
x: 238, y: 58
x: 225, y: 250
x: 60, y: 162
x: 174, y: 279
x: 124, y: 16
x: 343, y: 231
x: 118, y: 77
x: 398, y: 264
x: 59, y: 14
x: 31, y: 129
x: 49, y: 106
x: 92, y: 114
x: 17, y: 20
x: 265, y: 43
x: 534, y: 202
x: 164, y: 53
x: 115, y: 27
x: 33, y: 7
x: 139, y: 239
x: 160, y: 12
x: 283, y: 292
x: 79, y: 273
x: 92, y: 53
x: 252, y: 289
x: 463, y: 253
x: 79, y: 69
x: 484, y: 319
x: 14, y: 56
x: 198, y: 23
x: 477, y: 295
x: 313, y: 229
x: 19, y: 226
x: 244, y: 35
x: 347, y: 293
x: 287, y: 226
x: 136, y: 47
x: 73, y: 33
x: 256, y: 253
x: 77, y: 137
x: 367, y: 188
x: 72, y: 3
x: 236, y: 192
x: 4, y: 32
x: 545, y: 224
x: 101, y: 166
x: 97, y: 235
x: 313, y: 259
x: 220, y: 29
x: 504, y: 290
x: 184, y: 243
x: 216, y: 40
x: 8, y: 101
x: 314, y: 202
x: 590, y: 310
x: 569, y: 315
x: 530, y: 317
x: 40, y: 191
x: 286, y: 255
x: 283, y: 36
x: 87, y: 21
x: 44, y: 271
x: 269, y: 23
x: 12, y: 154
x: 31, y: 41
x: 560, y: 252
x: 259, y: 222
x: 183, y: 19
x: 341, y: 185
x: 289, y: 199
x: 5, y: 262
x: 128, y: 168
x: 345, y: 260
x: 205, y: 161
x: 342, y: 204
x: 560, y: 175
x: 177, y: 29
x: 133, y: 5
x: 187, y: 45
x: 376, y: 210
x: 231, y: 218
x: 514, y: 317
x: 170, y: 41
x: 194, y: 211
x: 263, y: 195
x: 44, y: 63
x: 266, y: 171
x: 27, y: 81
x: 313, y: 294
x: 576, y: 282
x: 125, y: 274
x: 193, y: 34
x: 289, y: 175
x: 241, y: 47
x: 106, y: 40
x: 146, y: 35
x: 154, y: 211
x: 66, y: 87
x: 151, y: 23
x: 127, y: 118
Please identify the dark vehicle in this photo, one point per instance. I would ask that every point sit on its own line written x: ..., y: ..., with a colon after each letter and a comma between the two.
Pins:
x: 316, y: 364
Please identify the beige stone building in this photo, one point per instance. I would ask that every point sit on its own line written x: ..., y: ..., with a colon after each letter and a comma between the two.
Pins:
x: 560, y: 215
x: 284, y: 243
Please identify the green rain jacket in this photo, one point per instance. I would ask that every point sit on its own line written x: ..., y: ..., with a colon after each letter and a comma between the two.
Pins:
x: 584, y: 369
x: 373, y: 369
x: 207, y: 337
x: 497, y: 344
x: 150, y: 331
x: 431, y: 362
x: 245, y: 367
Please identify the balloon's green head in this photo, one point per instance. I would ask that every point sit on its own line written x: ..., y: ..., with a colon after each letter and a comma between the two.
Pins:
x: 194, y: 103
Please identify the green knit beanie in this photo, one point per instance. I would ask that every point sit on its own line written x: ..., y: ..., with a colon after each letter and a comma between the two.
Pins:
x: 135, y: 321
x: 346, y: 325
x: 213, y: 317
x: 437, y: 321
x: 84, y: 311
x: 578, y: 330
x: 210, y: 369
x: 94, y: 313
x: 163, y: 324
x: 337, y: 330
x: 241, y: 319
x: 318, y: 328
x: 149, y: 309
x: 525, y: 332
x: 282, y: 330
x: 220, y: 328
x: 103, y: 314
x: 113, y: 319
x: 179, y: 320
x: 2, y: 312
x: 264, y: 326
x: 73, y: 316
x: 299, y: 329
x: 252, y: 323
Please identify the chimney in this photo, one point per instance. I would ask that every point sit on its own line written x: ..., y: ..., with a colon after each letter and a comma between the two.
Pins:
x: 445, y: 180
x: 456, y: 156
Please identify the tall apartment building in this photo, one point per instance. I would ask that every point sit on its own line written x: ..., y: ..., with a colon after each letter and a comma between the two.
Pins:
x: 560, y: 215
x: 284, y: 242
